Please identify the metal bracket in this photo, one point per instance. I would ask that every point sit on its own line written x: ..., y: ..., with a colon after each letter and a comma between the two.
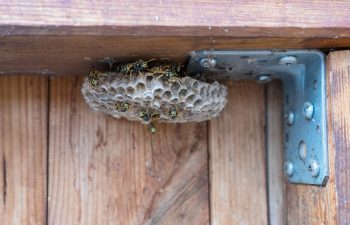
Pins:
x: 304, y: 89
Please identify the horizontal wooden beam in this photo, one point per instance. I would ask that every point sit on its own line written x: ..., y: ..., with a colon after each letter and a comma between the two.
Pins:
x: 59, y: 37
x: 233, y: 18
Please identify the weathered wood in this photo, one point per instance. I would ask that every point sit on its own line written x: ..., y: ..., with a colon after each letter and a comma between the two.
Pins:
x: 75, y: 55
x: 235, y: 18
x: 23, y: 145
x: 339, y: 130
x: 77, y: 34
x: 330, y: 204
x: 274, y: 132
x: 237, y: 158
x: 109, y: 171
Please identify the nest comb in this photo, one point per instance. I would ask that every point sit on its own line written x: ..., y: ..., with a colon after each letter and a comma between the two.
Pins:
x: 146, y: 96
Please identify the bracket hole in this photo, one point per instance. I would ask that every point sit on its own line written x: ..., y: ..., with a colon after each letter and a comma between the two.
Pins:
x: 244, y: 56
x: 302, y: 150
x: 287, y: 137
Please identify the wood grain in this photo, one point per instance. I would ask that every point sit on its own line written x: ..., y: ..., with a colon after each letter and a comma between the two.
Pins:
x: 23, y: 145
x: 274, y: 134
x: 109, y: 171
x: 58, y: 37
x: 75, y: 55
x: 235, y: 18
x: 338, y: 127
x: 237, y: 158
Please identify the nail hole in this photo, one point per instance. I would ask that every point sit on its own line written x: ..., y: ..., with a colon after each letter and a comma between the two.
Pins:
x: 287, y: 99
x: 261, y: 61
x: 318, y: 129
x: 287, y: 137
x: 315, y: 84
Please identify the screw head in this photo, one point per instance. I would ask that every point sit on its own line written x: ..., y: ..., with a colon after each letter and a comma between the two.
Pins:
x: 308, y: 110
x: 263, y: 78
x: 314, y: 168
x: 289, y: 117
x: 207, y: 62
x: 288, y: 168
x: 288, y: 60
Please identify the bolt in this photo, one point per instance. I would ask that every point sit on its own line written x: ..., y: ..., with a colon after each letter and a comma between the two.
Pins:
x: 288, y: 168
x: 289, y: 118
x: 263, y: 78
x: 302, y: 150
x: 314, y: 168
x: 287, y: 60
x: 207, y: 62
x: 308, y: 110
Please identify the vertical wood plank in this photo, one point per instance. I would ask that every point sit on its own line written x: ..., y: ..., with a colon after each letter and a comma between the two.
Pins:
x: 338, y: 64
x: 109, y: 171
x: 274, y: 132
x: 23, y: 145
x: 329, y: 204
x: 237, y: 158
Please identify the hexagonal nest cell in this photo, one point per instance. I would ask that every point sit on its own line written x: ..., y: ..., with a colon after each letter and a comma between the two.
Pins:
x: 148, y: 97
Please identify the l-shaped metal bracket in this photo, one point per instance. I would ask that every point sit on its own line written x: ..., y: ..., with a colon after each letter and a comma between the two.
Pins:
x: 304, y: 89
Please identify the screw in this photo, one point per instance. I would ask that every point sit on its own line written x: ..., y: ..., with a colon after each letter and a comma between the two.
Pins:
x: 314, y: 168
x: 289, y: 117
x: 288, y: 168
x: 207, y: 62
x: 263, y: 78
x: 302, y: 150
x: 287, y: 60
x: 308, y: 110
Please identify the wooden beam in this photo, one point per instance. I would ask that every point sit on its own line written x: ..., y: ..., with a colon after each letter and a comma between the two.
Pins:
x: 75, y: 55
x: 104, y: 170
x: 338, y: 93
x: 238, y: 180
x: 57, y: 37
x: 23, y: 148
x: 228, y: 18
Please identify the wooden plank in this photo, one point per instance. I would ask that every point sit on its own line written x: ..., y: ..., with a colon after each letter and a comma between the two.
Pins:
x: 235, y: 18
x: 23, y: 145
x: 74, y: 55
x: 330, y: 204
x: 274, y: 133
x: 237, y: 158
x: 77, y: 34
x: 108, y: 171
x: 338, y: 127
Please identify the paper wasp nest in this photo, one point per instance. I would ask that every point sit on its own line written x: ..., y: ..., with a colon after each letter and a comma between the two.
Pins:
x: 183, y: 100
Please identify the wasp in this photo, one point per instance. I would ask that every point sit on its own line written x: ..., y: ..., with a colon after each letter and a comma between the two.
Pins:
x: 168, y: 73
x: 174, y: 113
x: 94, y: 77
x: 147, y: 116
x: 135, y: 67
x: 152, y: 128
x: 122, y: 106
x: 150, y: 117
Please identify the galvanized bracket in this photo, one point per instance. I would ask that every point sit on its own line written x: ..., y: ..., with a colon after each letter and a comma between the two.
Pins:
x: 304, y: 89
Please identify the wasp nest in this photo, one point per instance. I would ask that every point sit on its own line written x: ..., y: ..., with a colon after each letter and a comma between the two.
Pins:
x: 153, y: 95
